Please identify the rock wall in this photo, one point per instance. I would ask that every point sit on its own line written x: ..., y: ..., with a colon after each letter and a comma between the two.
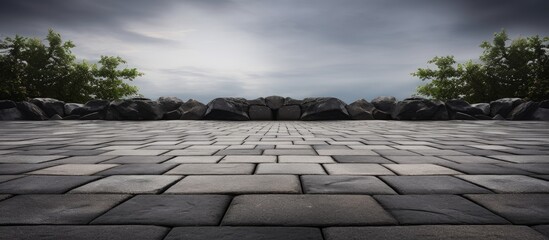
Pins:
x: 274, y: 108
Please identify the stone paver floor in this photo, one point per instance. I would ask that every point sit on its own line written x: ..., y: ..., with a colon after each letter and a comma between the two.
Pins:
x: 274, y: 180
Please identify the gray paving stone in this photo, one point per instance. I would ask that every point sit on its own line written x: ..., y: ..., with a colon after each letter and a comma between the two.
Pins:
x: 436, y: 209
x: 132, y: 184
x: 52, y: 232
x: 394, y: 152
x: 417, y: 159
x: 420, y: 169
x: 471, y: 159
x: 360, y: 159
x: 5, y: 178
x: 240, y: 152
x: 56, y: 209
x: 344, y: 184
x: 168, y: 210
x: 74, y: 169
x: 134, y: 152
x: 83, y: 159
x: 138, y: 159
x: 305, y: 159
x: 4, y: 196
x: 305, y: 210
x: 28, y: 158
x: 289, y: 168
x: 543, y: 229
x: 212, y: 169
x: 237, y: 184
x: 357, y: 169
x: 19, y: 168
x: 341, y: 152
x: 523, y: 158
x: 509, y: 183
x: 526, y: 209
x: 433, y: 232
x: 289, y: 152
x: 538, y: 168
x: 192, y: 152
x: 138, y: 169
x: 195, y: 159
x: 432, y: 185
x: 248, y: 159
x: 44, y: 184
x: 483, y: 168
x: 245, y: 233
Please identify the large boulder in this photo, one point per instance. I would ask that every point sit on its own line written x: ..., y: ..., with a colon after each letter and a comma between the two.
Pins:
x: 381, y: 115
x: 274, y: 102
x: 290, y: 101
x: 138, y: 109
x: 361, y: 110
x: 192, y: 110
x: 50, y: 106
x: 71, y: 106
x: 461, y: 106
x: 9, y: 111
x: 168, y: 104
x: 258, y: 101
x: 541, y: 114
x: 544, y: 104
x: 524, y: 111
x: 289, y: 113
x: 484, y: 107
x: 385, y: 103
x: 234, y: 109
x: 504, y: 106
x: 91, y: 106
x: 257, y: 112
x: 31, y: 112
x: 420, y: 109
x: 324, y: 109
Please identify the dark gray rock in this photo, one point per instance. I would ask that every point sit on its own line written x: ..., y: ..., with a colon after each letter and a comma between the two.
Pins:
x: 93, y: 116
x: 31, y: 111
x: 419, y: 109
x: 173, y: 115
x: 10, y: 114
x: 544, y: 104
x: 168, y: 210
x: 53, y: 232
x: 235, y: 109
x: 527, y: 209
x: 385, y: 103
x: 324, y: 109
x: 168, y: 104
x: 50, y: 106
x: 274, y: 102
x: 498, y: 117
x: 484, y: 107
x: 543, y: 229
x: 483, y: 117
x: 91, y: 107
x: 193, y: 110
x: 71, y: 117
x: 5, y: 104
x: 504, y: 106
x: 257, y: 112
x: 289, y: 113
x: 432, y: 185
x: 56, y: 117
x: 461, y: 106
x: 541, y: 114
x: 381, y: 115
x: 290, y: 101
x: 138, y: 109
x: 361, y: 110
x: 68, y: 107
x: 463, y: 116
x: 258, y: 101
x: 524, y: 111
x: 244, y: 233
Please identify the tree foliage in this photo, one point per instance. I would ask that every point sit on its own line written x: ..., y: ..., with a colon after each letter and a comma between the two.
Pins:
x: 520, y: 69
x: 31, y: 68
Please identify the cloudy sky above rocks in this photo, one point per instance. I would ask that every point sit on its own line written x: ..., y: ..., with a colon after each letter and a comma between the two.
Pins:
x: 208, y: 48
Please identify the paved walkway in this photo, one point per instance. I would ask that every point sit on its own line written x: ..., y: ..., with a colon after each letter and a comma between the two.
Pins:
x: 274, y: 180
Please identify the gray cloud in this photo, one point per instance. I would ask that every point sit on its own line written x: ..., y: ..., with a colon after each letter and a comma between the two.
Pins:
x: 203, y: 49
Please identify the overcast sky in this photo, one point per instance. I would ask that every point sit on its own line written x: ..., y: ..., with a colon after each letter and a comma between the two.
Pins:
x: 203, y: 49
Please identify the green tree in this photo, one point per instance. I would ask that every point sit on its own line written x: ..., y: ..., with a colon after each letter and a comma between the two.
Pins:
x: 31, y: 68
x: 520, y: 69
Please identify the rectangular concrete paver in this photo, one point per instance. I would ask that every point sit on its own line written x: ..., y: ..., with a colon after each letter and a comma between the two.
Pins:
x: 518, y: 208
x: 344, y: 184
x: 245, y: 233
x: 509, y: 183
x: 357, y: 169
x: 84, y: 232
x: 420, y: 169
x: 74, y: 169
x: 212, y: 169
x: 237, y: 184
x: 289, y: 168
x: 128, y: 184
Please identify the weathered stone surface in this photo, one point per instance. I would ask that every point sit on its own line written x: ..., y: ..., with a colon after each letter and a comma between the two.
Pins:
x: 291, y: 112
x: 344, y: 184
x: 74, y: 169
x: 437, y: 209
x: 68, y: 107
x: 212, y: 169
x: 274, y: 102
x: 244, y: 233
x: 10, y: 114
x: 324, y: 109
x: 509, y: 183
x: 193, y: 110
x: 385, y: 103
x: 173, y: 115
x: 235, y: 109
x: 381, y: 115
x: 168, y: 104
x: 361, y: 110
x: 290, y: 101
x: 461, y: 106
x: 528, y: 209
x: 484, y: 107
x: 30, y: 111
x: 463, y: 116
x: 168, y: 210
x: 305, y: 210
x: 237, y: 184
x: 432, y: 185
x: 504, y: 106
x: 541, y: 114
x: 138, y: 169
x: 54, y: 232
x: 419, y: 109
x: 93, y: 116
x: 433, y: 232
x: 4, y: 104
x: 91, y: 107
x: 523, y: 111
x: 56, y: 117
x: 56, y: 209
x: 44, y: 184
x: 50, y: 106
x: 131, y: 184
x: 138, y: 109
x: 289, y: 168
x: 258, y: 101
x: 420, y: 169
x: 257, y: 112
x: 357, y: 169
